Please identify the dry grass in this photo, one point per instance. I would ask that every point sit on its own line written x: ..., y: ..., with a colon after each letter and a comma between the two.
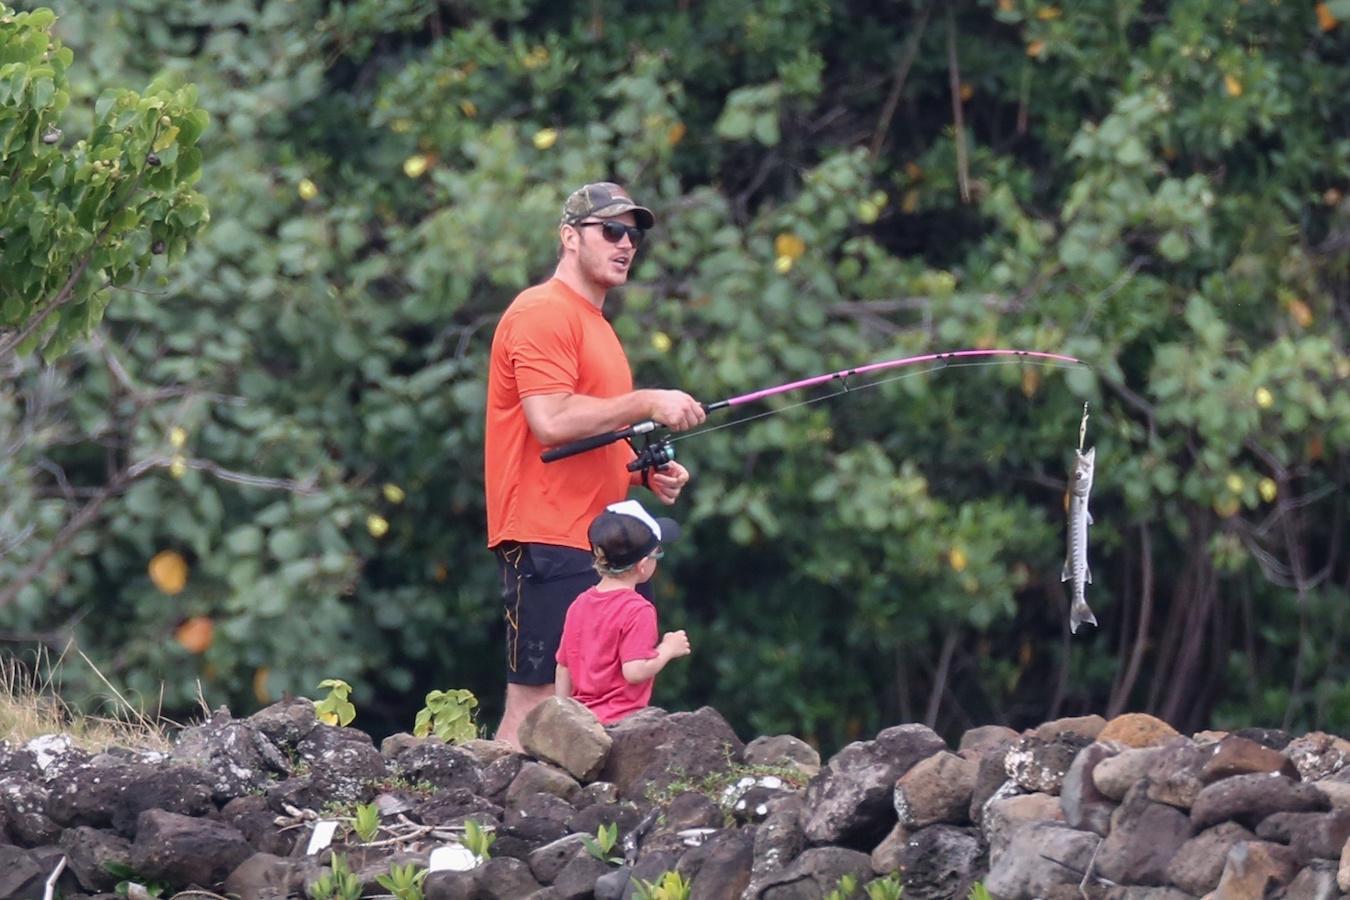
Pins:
x: 31, y: 705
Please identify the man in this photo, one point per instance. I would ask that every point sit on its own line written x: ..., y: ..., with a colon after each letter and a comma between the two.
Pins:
x: 557, y: 373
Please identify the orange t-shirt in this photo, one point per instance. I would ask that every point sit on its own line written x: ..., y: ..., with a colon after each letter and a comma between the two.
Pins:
x: 550, y: 340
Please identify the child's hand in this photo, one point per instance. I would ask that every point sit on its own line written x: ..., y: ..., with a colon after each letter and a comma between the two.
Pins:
x: 674, y: 645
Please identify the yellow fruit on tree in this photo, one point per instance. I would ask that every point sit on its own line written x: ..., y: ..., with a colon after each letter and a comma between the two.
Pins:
x: 169, y: 571
x: 957, y: 557
x: 393, y: 493
x: 789, y: 245
x: 1268, y: 489
x: 416, y: 165
x: 307, y: 189
x: 545, y: 138
x: 1325, y: 19
x: 196, y: 634
x: 377, y: 525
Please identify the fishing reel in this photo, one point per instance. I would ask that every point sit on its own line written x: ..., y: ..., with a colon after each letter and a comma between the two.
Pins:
x: 654, y: 455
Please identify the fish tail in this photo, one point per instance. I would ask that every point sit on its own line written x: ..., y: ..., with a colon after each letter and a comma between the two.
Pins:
x: 1079, y: 614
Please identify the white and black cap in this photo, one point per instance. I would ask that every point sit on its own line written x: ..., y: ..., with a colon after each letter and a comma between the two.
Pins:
x: 625, y: 533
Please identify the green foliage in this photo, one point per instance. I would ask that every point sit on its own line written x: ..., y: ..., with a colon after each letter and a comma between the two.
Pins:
x: 845, y: 889
x: 82, y: 217
x: 670, y: 886
x: 127, y: 876
x: 478, y: 840
x: 718, y: 785
x: 366, y: 821
x: 337, y: 882
x: 979, y: 892
x: 448, y: 715
x: 889, y: 887
x: 404, y: 882
x: 886, y: 888
x: 335, y: 708
x: 1157, y: 190
x: 601, y: 846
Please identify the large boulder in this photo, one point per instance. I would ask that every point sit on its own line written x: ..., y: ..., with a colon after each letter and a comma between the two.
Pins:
x: 1315, y: 881
x: 696, y: 744
x: 1114, y: 775
x: 1039, y: 765
x: 991, y: 780
x: 633, y: 745
x: 1003, y: 816
x: 851, y: 801
x: 236, y: 756
x: 1143, y: 839
x: 984, y: 738
x: 564, y: 732
x: 1175, y: 776
x: 541, y: 778
x: 1043, y: 860
x: 720, y: 868
x: 117, y: 794
x: 443, y: 766
x: 1084, y: 805
x: 1311, y: 835
x: 1255, y: 869
x: 1318, y: 754
x: 1089, y: 726
x: 1137, y: 730
x: 812, y: 874
x: 286, y: 723
x: 936, y: 790
x: 779, y: 838
x: 23, y: 811
x: 942, y: 861
x: 785, y: 752
x: 186, y: 850
x: 89, y: 853
x: 1250, y: 798
x: 1198, y: 863
x: 1234, y: 755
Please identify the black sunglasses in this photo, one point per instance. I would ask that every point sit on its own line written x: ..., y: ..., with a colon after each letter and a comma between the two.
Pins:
x: 614, y: 231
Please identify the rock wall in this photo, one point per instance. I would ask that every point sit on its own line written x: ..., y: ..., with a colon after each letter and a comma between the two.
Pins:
x: 1073, y: 808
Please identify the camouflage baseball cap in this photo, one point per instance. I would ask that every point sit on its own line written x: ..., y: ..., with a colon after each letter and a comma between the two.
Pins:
x: 605, y: 200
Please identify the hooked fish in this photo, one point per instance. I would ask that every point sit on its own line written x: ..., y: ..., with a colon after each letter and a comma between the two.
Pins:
x: 1075, y: 563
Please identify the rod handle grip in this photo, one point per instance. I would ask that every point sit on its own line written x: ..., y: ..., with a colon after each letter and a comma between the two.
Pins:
x: 581, y: 445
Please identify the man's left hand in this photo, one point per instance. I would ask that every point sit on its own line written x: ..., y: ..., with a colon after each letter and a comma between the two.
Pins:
x: 667, y: 483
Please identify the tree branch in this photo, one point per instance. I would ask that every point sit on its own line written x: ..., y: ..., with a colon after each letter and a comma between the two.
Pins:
x: 898, y: 85
x: 958, y: 117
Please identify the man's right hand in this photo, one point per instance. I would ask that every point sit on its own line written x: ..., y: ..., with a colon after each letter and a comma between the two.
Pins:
x: 676, y: 410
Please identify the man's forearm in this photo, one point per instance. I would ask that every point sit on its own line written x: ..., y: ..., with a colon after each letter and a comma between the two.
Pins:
x: 559, y: 418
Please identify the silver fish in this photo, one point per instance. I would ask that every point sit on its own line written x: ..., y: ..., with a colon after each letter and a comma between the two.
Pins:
x: 1075, y: 563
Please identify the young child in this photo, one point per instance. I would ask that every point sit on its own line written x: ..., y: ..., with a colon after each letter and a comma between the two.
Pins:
x: 609, y: 654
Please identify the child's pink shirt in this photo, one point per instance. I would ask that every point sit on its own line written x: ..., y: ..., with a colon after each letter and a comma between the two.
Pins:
x: 604, y: 630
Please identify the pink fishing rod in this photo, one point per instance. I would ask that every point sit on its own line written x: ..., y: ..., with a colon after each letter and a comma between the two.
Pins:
x: 879, y: 367
x: 659, y: 452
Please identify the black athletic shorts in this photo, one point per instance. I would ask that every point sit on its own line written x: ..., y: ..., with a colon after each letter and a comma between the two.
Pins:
x: 539, y: 582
